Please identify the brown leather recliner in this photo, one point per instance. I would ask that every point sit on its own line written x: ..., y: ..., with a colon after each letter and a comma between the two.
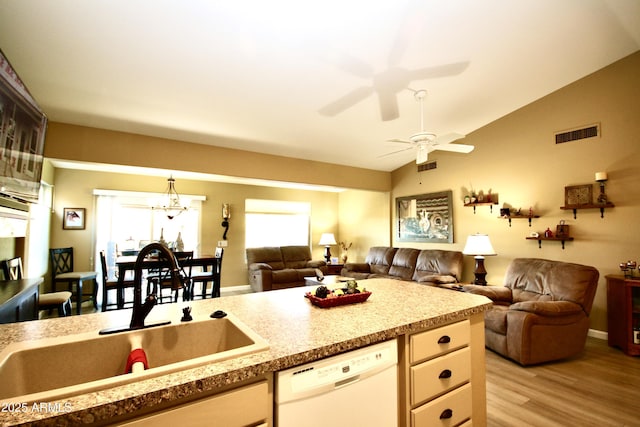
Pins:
x: 542, y: 311
x: 281, y: 267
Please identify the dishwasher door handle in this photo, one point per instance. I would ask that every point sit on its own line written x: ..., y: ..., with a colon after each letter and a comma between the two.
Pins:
x: 346, y: 382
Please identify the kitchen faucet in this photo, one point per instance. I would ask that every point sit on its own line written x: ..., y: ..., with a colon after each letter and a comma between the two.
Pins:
x: 141, y: 310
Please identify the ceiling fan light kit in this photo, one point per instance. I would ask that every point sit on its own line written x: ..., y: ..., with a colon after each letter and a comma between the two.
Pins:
x: 425, y: 142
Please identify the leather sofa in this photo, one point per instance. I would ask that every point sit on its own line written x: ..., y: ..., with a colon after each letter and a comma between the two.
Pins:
x: 428, y: 266
x: 542, y: 311
x: 281, y: 267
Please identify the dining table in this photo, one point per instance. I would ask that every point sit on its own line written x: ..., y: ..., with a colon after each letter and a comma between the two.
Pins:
x: 126, y: 265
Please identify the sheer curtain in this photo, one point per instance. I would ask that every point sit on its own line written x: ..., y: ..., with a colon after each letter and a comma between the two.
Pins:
x: 126, y: 221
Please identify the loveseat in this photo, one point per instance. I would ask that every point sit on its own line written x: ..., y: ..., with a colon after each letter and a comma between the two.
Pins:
x: 428, y: 266
x: 281, y: 267
x: 542, y: 311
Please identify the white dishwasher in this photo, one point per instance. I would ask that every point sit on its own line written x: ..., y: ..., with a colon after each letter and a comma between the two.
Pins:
x: 358, y: 388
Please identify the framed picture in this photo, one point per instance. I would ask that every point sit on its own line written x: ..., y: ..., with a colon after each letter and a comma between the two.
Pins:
x: 578, y: 195
x: 73, y: 219
x: 425, y: 218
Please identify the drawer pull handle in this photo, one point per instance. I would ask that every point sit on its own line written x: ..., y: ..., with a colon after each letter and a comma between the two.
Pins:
x: 446, y: 414
x: 445, y: 374
x: 445, y: 339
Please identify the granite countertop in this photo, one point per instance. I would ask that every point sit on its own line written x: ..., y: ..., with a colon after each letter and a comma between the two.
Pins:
x: 296, y: 331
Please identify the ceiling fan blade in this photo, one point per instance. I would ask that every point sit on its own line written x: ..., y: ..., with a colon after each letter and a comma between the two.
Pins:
x: 438, y: 71
x: 347, y: 101
x: 456, y: 148
x: 396, y: 152
x: 402, y: 141
x: 447, y: 138
x: 412, y: 21
x: 351, y: 65
x: 388, y: 106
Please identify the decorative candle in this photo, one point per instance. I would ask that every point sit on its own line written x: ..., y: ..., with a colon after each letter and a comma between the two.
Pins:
x: 601, y: 176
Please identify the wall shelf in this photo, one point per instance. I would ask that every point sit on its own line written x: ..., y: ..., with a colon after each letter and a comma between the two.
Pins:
x: 490, y: 204
x: 560, y: 239
x: 588, y: 206
x: 529, y: 217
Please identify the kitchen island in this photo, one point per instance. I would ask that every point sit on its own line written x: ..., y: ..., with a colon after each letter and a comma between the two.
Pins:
x: 296, y: 331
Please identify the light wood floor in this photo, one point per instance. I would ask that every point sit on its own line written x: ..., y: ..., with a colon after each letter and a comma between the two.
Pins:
x: 601, y: 387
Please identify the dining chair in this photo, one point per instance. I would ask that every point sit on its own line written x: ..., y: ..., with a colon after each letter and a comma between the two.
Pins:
x: 12, y: 269
x: 163, y: 281
x: 62, y: 272
x: 112, y: 285
x: 210, y: 273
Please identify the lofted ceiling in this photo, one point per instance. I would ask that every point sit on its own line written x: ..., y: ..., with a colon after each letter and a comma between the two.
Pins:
x: 311, y: 79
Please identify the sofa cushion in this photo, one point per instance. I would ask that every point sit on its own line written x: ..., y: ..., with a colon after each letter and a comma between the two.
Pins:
x: 432, y: 262
x: 288, y: 275
x: 379, y: 259
x: 267, y: 255
x: 435, y: 278
x: 295, y: 256
x: 404, y: 263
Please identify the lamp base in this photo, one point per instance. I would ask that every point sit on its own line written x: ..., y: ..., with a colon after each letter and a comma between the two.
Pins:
x: 480, y: 272
x: 327, y: 254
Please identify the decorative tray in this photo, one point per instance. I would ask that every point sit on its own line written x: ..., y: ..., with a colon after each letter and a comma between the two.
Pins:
x: 336, y: 301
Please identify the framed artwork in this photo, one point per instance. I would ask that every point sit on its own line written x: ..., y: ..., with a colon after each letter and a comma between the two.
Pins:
x: 425, y: 218
x: 73, y: 219
x: 578, y: 195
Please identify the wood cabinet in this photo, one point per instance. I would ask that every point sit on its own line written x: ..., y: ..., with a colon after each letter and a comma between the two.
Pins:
x: 334, y: 269
x: 623, y: 312
x: 19, y: 300
x: 437, y: 375
x: 249, y: 405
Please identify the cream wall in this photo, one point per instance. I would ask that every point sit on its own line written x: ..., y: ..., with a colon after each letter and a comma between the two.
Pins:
x: 516, y: 157
x: 363, y: 220
x: 75, y: 189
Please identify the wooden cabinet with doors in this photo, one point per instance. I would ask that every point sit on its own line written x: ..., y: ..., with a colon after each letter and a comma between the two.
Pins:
x: 623, y: 313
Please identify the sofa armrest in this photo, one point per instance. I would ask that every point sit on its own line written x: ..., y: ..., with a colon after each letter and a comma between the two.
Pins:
x: 316, y: 264
x: 494, y: 293
x: 548, y: 308
x: 437, y: 279
x: 259, y: 266
x: 356, y: 267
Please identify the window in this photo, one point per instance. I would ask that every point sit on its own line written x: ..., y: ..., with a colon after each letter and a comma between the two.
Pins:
x: 125, y: 221
x: 276, y: 223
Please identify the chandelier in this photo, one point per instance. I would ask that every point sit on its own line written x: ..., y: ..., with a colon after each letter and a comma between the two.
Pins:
x: 170, y: 203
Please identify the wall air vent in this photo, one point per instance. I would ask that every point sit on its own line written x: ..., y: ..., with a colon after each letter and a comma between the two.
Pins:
x: 427, y: 166
x: 590, y: 131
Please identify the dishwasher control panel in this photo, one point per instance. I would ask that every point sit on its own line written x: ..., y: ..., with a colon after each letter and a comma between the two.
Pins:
x: 335, y: 370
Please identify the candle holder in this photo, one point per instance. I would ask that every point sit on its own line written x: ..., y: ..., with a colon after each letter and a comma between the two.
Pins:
x: 601, y: 178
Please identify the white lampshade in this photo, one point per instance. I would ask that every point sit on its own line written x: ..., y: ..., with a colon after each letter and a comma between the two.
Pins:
x: 478, y: 245
x: 327, y: 239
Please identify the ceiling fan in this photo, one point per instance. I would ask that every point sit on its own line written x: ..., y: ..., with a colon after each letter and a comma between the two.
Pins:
x: 394, y: 79
x: 425, y: 142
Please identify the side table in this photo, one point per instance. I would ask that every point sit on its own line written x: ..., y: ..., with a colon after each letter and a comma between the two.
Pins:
x: 334, y: 268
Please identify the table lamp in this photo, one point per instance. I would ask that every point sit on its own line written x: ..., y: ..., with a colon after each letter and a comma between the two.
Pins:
x: 479, y: 246
x: 326, y: 240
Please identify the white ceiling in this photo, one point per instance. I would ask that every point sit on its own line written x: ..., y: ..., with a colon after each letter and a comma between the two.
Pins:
x: 255, y: 74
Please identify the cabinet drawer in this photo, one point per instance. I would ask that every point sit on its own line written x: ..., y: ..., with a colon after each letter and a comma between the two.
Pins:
x: 449, y: 410
x: 436, y: 376
x: 428, y: 344
x: 244, y: 406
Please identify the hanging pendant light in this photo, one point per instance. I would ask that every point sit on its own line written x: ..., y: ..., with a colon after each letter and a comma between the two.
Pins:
x: 170, y: 203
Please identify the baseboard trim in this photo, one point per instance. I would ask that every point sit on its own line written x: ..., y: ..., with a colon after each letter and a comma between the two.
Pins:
x: 233, y: 290
x: 601, y: 335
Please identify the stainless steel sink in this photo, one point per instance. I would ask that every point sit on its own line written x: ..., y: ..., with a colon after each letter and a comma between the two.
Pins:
x: 76, y: 364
